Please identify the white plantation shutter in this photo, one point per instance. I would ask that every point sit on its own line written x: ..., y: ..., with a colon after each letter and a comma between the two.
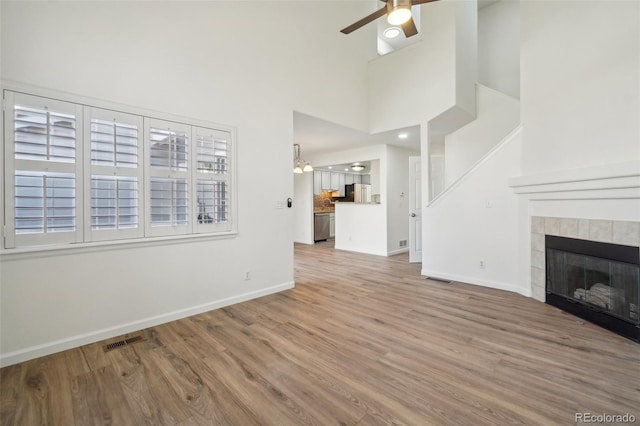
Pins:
x: 43, y: 164
x: 167, y: 177
x: 77, y: 173
x: 114, y: 175
x: 212, y: 177
x: 45, y: 202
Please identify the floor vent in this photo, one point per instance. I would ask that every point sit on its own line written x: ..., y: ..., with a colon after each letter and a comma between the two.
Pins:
x: 124, y: 342
x: 440, y: 280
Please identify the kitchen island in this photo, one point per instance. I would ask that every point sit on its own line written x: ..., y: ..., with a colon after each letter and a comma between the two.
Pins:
x: 361, y: 228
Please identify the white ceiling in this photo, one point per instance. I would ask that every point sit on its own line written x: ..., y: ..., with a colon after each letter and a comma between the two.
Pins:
x: 317, y: 136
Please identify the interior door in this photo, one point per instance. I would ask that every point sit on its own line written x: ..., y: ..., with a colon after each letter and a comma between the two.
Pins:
x: 415, y: 210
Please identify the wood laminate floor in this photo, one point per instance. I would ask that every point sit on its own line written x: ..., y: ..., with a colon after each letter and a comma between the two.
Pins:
x: 361, y: 340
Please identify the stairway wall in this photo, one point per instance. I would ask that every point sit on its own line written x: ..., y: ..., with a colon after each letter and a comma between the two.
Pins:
x: 497, y: 115
x: 477, y: 221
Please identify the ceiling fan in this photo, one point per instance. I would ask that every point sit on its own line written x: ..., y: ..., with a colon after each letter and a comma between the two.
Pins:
x: 398, y: 13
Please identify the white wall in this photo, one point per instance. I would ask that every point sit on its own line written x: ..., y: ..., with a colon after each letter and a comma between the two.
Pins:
x: 186, y: 59
x: 303, y: 208
x: 466, y: 53
x: 580, y: 88
x: 477, y: 220
x: 417, y: 82
x: 498, y: 115
x: 499, y: 47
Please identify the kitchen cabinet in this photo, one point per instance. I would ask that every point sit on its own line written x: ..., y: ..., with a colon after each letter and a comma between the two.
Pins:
x: 332, y: 225
x: 343, y: 179
x: 366, y: 179
x: 335, y: 181
x: 317, y: 182
x: 348, y: 179
x: 357, y: 179
x: 326, y: 181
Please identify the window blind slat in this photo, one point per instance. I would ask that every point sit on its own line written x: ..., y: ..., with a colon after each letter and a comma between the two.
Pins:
x: 108, y: 193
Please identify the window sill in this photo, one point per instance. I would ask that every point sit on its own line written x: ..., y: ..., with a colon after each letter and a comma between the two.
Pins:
x: 54, y: 250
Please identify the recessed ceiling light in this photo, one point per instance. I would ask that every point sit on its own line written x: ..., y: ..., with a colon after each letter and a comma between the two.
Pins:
x: 392, y: 32
x: 330, y: 167
x: 346, y: 170
x: 403, y: 135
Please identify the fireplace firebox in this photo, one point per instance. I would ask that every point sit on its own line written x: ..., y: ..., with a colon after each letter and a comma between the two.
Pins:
x: 599, y: 282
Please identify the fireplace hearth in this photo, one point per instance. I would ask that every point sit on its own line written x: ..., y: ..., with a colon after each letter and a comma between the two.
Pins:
x: 599, y: 282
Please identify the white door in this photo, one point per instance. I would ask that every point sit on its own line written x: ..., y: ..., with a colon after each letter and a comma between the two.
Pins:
x: 415, y: 210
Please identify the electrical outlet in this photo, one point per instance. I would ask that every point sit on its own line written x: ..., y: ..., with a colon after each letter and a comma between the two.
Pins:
x: 483, y: 264
x: 247, y: 275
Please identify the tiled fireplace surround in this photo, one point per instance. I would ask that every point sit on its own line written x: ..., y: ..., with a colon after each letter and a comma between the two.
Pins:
x: 606, y: 231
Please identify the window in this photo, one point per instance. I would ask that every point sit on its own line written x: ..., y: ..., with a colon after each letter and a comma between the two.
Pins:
x: 212, y: 178
x: 115, y: 175
x: 78, y: 173
x: 168, y: 171
x: 41, y: 171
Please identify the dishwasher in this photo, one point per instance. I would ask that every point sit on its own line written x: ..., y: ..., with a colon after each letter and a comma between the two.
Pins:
x: 321, y: 223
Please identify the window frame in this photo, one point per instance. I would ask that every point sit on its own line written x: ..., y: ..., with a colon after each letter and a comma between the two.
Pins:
x: 83, y: 236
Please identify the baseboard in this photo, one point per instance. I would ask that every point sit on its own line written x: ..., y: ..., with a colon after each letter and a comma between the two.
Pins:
x: 476, y: 281
x: 107, y: 333
x: 394, y: 252
x: 363, y: 250
x: 308, y: 242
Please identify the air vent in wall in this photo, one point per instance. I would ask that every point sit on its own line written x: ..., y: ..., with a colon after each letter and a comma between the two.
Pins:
x: 403, y: 243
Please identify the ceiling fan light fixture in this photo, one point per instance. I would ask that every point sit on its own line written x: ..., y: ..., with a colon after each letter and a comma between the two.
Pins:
x: 399, y: 11
x: 392, y: 32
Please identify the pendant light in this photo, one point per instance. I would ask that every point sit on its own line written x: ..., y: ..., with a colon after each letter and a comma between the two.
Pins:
x: 298, y: 161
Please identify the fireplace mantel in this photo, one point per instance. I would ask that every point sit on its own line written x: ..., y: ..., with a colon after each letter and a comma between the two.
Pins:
x: 609, y: 181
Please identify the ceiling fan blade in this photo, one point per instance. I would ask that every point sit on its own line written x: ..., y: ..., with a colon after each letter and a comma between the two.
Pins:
x: 414, y: 2
x: 409, y: 28
x: 364, y: 21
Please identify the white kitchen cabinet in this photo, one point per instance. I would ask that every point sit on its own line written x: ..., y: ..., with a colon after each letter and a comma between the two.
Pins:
x: 342, y: 183
x: 335, y: 181
x: 348, y: 179
x: 357, y: 179
x: 326, y: 181
x: 332, y: 225
x: 366, y: 179
x: 317, y: 182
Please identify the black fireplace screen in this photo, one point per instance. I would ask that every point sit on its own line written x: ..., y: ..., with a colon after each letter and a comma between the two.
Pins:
x: 599, y: 278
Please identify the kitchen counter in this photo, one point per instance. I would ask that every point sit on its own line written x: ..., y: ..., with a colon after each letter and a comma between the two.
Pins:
x: 325, y: 210
x: 361, y: 228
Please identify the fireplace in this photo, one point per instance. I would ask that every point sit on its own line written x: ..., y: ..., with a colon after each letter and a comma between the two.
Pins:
x: 599, y: 282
